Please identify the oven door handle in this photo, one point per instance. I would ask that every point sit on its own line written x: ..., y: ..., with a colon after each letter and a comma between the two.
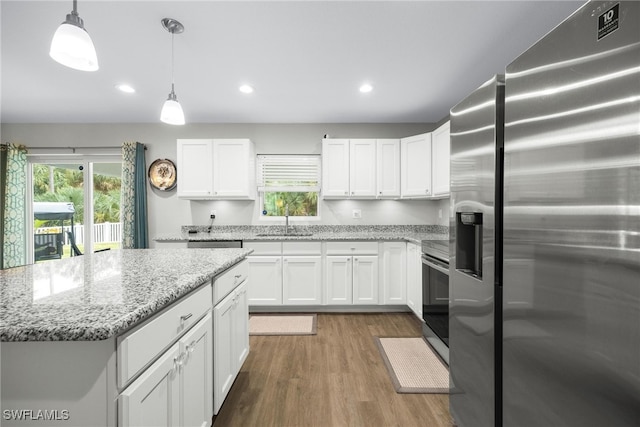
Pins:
x: 436, y: 266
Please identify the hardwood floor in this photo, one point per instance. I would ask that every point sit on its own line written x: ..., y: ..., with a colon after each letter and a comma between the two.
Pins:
x: 334, y: 378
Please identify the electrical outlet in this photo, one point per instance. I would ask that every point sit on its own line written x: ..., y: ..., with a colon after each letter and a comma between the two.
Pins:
x: 357, y: 213
x: 212, y: 215
x: 440, y: 213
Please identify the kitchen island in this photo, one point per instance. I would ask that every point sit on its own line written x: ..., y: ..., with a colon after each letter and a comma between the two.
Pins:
x: 79, y: 334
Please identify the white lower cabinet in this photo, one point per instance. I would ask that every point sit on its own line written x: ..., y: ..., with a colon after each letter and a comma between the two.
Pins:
x: 414, y: 279
x: 394, y: 267
x: 365, y: 279
x: 266, y: 286
x: 176, y: 389
x: 231, y: 341
x: 302, y: 280
x: 338, y: 279
x: 196, y: 375
x: 351, y: 279
x: 288, y: 273
x: 351, y: 273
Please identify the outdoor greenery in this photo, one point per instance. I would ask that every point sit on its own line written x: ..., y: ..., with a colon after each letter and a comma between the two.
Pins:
x: 300, y: 203
x: 67, y: 185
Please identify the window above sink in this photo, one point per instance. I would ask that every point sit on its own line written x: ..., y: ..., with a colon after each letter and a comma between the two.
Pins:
x: 291, y: 181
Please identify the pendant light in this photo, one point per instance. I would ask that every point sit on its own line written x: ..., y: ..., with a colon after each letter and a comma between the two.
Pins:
x: 171, y: 110
x: 71, y: 45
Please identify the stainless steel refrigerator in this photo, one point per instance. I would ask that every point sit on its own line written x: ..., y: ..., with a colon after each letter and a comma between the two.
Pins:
x: 545, y: 232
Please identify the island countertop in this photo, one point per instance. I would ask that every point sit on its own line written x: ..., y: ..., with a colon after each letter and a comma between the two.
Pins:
x: 98, y: 296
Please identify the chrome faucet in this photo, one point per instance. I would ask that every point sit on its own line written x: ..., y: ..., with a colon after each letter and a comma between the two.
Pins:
x: 286, y: 219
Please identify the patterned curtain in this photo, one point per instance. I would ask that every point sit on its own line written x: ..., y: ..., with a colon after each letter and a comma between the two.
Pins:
x: 133, y: 206
x: 13, y: 190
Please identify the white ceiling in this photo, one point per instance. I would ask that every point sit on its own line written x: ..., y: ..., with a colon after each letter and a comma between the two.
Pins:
x: 306, y: 59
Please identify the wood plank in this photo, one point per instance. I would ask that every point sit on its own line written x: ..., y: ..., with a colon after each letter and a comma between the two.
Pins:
x: 334, y: 378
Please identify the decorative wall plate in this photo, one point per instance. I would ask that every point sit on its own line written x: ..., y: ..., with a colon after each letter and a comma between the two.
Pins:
x: 162, y: 174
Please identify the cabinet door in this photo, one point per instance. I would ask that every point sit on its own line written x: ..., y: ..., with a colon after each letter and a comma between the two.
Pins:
x: 338, y: 279
x: 241, y: 327
x: 233, y: 169
x: 365, y: 279
x: 265, y: 286
x: 394, y: 269
x: 196, y: 374
x: 388, y: 167
x: 335, y: 168
x: 223, y: 350
x: 440, y: 161
x: 416, y: 166
x: 362, y: 168
x: 302, y: 280
x: 414, y: 282
x: 154, y: 398
x: 195, y: 175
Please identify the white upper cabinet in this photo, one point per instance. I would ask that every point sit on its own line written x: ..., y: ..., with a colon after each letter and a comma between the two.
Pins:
x: 362, y: 168
x: 388, y: 168
x: 234, y: 169
x: 335, y: 167
x: 194, y: 168
x: 216, y: 169
x: 416, y: 166
x: 440, y: 161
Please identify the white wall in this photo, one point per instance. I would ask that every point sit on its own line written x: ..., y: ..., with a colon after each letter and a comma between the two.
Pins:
x: 167, y: 213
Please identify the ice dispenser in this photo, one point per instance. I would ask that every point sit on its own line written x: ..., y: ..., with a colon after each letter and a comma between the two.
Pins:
x: 469, y: 243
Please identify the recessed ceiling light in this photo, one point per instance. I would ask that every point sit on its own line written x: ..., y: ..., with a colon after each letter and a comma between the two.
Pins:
x: 366, y: 88
x: 245, y: 89
x: 125, y: 88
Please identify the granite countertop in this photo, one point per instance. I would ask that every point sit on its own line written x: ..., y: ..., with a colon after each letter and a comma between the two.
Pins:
x: 97, y: 296
x: 409, y: 233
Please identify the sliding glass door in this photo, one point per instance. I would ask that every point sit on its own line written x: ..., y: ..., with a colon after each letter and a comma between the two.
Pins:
x: 74, y: 205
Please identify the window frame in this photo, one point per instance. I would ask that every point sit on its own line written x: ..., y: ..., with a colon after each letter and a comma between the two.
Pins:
x: 261, y: 189
x: 87, y: 161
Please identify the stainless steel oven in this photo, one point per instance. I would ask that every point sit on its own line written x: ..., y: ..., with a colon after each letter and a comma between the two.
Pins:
x: 435, y: 291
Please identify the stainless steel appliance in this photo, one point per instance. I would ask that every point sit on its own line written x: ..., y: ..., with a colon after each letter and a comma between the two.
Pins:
x: 435, y: 295
x: 545, y: 263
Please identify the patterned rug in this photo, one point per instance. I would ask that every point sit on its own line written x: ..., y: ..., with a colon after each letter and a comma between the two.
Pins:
x: 413, y: 366
x: 283, y: 324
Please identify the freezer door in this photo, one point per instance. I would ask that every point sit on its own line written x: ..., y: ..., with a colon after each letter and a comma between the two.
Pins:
x: 571, y: 345
x: 476, y: 130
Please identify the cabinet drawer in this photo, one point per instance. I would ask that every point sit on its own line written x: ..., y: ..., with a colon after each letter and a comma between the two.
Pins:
x: 229, y: 280
x: 352, y: 248
x: 301, y: 248
x: 264, y: 248
x: 140, y: 346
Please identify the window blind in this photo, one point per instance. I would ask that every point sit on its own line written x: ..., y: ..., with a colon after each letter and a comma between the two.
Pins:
x: 288, y: 172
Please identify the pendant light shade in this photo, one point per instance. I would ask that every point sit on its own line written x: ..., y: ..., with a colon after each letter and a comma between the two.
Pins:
x: 171, y: 110
x: 72, y: 46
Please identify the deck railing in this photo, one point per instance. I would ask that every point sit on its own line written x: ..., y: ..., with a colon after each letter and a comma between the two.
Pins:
x: 106, y: 232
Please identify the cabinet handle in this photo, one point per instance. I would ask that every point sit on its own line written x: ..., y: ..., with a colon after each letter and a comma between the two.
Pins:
x: 381, y: 193
x: 346, y: 193
x: 191, y: 347
x: 237, y: 276
x: 355, y: 259
x: 185, y: 317
x: 177, y: 362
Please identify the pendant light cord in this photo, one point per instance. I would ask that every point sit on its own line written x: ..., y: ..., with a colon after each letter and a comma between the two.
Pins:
x: 172, y: 62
